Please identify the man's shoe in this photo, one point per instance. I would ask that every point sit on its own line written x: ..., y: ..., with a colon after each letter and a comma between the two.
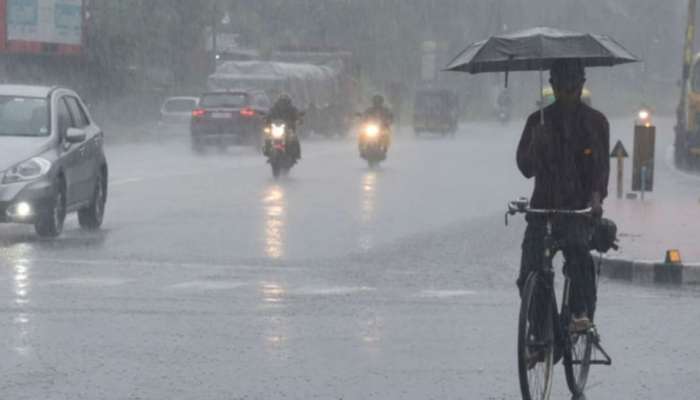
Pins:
x: 580, y: 323
x: 534, y: 358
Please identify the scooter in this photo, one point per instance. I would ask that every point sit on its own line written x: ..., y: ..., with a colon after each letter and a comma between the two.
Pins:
x: 279, y: 148
x: 373, y: 142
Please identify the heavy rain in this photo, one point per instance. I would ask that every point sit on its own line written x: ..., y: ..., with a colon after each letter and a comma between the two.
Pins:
x: 268, y: 199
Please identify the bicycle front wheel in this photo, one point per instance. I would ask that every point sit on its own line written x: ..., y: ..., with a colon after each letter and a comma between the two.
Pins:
x: 577, y: 358
x: 536, y: 339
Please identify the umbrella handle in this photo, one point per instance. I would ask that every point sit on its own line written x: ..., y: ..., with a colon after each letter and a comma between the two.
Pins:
x: 541, y: 97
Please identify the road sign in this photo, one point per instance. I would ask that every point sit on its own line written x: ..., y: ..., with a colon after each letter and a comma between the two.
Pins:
x: 620, y: 153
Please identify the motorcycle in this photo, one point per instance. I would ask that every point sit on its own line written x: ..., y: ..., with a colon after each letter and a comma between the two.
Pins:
x: 279, y: 147
x: 373, y: 142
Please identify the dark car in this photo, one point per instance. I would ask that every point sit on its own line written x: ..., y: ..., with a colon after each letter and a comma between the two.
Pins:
x: 51, y: 159
x: 226, y: 118
x: 436, y: 111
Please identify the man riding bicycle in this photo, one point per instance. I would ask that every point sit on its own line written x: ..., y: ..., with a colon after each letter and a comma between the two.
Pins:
x: 568, y: 155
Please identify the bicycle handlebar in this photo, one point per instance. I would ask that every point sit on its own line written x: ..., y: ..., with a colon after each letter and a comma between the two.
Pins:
x: 522, y: 206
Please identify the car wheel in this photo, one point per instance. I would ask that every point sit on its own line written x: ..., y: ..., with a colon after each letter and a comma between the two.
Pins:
x: 91, y: 217
x: 50, y: 221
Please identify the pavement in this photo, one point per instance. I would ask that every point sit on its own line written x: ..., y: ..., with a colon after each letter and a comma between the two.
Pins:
x: 210, y: 280
x: 667, y: 218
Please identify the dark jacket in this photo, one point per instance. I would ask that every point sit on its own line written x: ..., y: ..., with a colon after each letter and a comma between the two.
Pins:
x: 382, y: 114
x: 286, y: 112
x: 568, y: 156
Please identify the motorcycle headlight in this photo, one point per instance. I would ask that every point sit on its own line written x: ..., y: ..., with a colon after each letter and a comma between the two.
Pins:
x: 28, y: 170
x: 372, y: 130
x: 278, y: 131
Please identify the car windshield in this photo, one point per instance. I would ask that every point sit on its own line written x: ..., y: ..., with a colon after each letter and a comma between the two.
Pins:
x: 23, y: 116
x: 180, y: 105
x: 231, y: 100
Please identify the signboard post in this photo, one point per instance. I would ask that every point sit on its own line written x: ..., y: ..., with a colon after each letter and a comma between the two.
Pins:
x: 643, y: 158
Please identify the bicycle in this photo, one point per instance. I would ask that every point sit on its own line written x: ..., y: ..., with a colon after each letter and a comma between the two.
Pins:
x: 543, y: 334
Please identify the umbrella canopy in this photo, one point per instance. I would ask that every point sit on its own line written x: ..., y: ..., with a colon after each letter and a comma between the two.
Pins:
x: 536, y: 49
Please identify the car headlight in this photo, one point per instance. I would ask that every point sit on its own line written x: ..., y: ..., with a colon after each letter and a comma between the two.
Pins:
x: 372, y: 130
x: 27, y: 170
x: 278, y: 131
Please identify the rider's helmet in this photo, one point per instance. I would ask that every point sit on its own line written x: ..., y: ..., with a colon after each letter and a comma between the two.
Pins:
x: 378, y: 100
x: 285, y: 99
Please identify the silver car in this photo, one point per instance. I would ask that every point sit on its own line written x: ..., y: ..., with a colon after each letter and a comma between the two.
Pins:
x: 177, y: 111
x: 51, y: 159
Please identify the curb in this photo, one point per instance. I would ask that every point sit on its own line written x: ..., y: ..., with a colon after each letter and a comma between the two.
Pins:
x: 649, y: 272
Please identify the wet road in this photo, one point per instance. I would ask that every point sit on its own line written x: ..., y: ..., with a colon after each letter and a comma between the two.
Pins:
x: 212, y: 281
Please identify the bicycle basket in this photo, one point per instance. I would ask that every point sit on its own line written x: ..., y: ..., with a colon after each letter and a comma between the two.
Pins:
x: 604, y: 236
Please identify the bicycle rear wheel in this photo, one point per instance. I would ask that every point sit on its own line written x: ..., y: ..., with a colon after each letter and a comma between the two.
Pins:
x: 577, y: 357
x: 536, y: 340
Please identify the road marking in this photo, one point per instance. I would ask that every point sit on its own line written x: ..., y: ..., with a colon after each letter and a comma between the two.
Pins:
x: 164, y: 264
x: 120, y: 182
x: 88, y: 282
x: 207, y: 285
x: 441, y: 294
x: 331, y: 291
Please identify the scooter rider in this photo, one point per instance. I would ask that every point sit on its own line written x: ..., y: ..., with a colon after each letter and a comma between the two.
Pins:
x: 381, y: 113
x: 284, y: 110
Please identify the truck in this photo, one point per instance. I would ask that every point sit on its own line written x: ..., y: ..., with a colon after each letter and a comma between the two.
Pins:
x: 687, y: 130
x: 320, y: 83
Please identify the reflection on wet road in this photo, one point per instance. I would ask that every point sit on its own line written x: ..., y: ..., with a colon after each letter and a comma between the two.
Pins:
x: 368, y: 203
x: 275, y: 210
x: 212, y: 281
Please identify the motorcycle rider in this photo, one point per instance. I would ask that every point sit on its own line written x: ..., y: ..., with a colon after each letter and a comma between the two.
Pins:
x: 284, y: 110
x: 568, y: 156
x: 381, y: 113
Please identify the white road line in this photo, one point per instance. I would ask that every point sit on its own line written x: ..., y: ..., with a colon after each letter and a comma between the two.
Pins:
x: 440, y: 294
x: 120, y: 182
x: 331, y: 291
x: 163, y: 264
x: 88, y: 282
x: 206, y: 285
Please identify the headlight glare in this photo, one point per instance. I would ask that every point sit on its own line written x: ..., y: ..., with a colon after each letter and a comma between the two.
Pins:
x: 278, y: 131
x: 372, y: 130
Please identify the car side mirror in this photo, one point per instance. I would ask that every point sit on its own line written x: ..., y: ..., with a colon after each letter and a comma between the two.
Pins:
x: 75, y: 135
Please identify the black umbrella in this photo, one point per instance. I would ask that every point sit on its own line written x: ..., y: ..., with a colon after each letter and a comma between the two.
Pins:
x: 536, y: 49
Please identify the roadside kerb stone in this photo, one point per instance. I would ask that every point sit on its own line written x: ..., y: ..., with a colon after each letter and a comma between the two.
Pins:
x: 649, y: 272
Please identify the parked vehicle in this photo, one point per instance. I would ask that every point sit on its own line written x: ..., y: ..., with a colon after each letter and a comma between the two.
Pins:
x: 51, y: 159
x: 177, y: 111
x: 436, y: 111
x: 227, y: 118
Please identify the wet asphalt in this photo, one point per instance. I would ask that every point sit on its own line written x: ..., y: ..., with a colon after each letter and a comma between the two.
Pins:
x: 211, y: 280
